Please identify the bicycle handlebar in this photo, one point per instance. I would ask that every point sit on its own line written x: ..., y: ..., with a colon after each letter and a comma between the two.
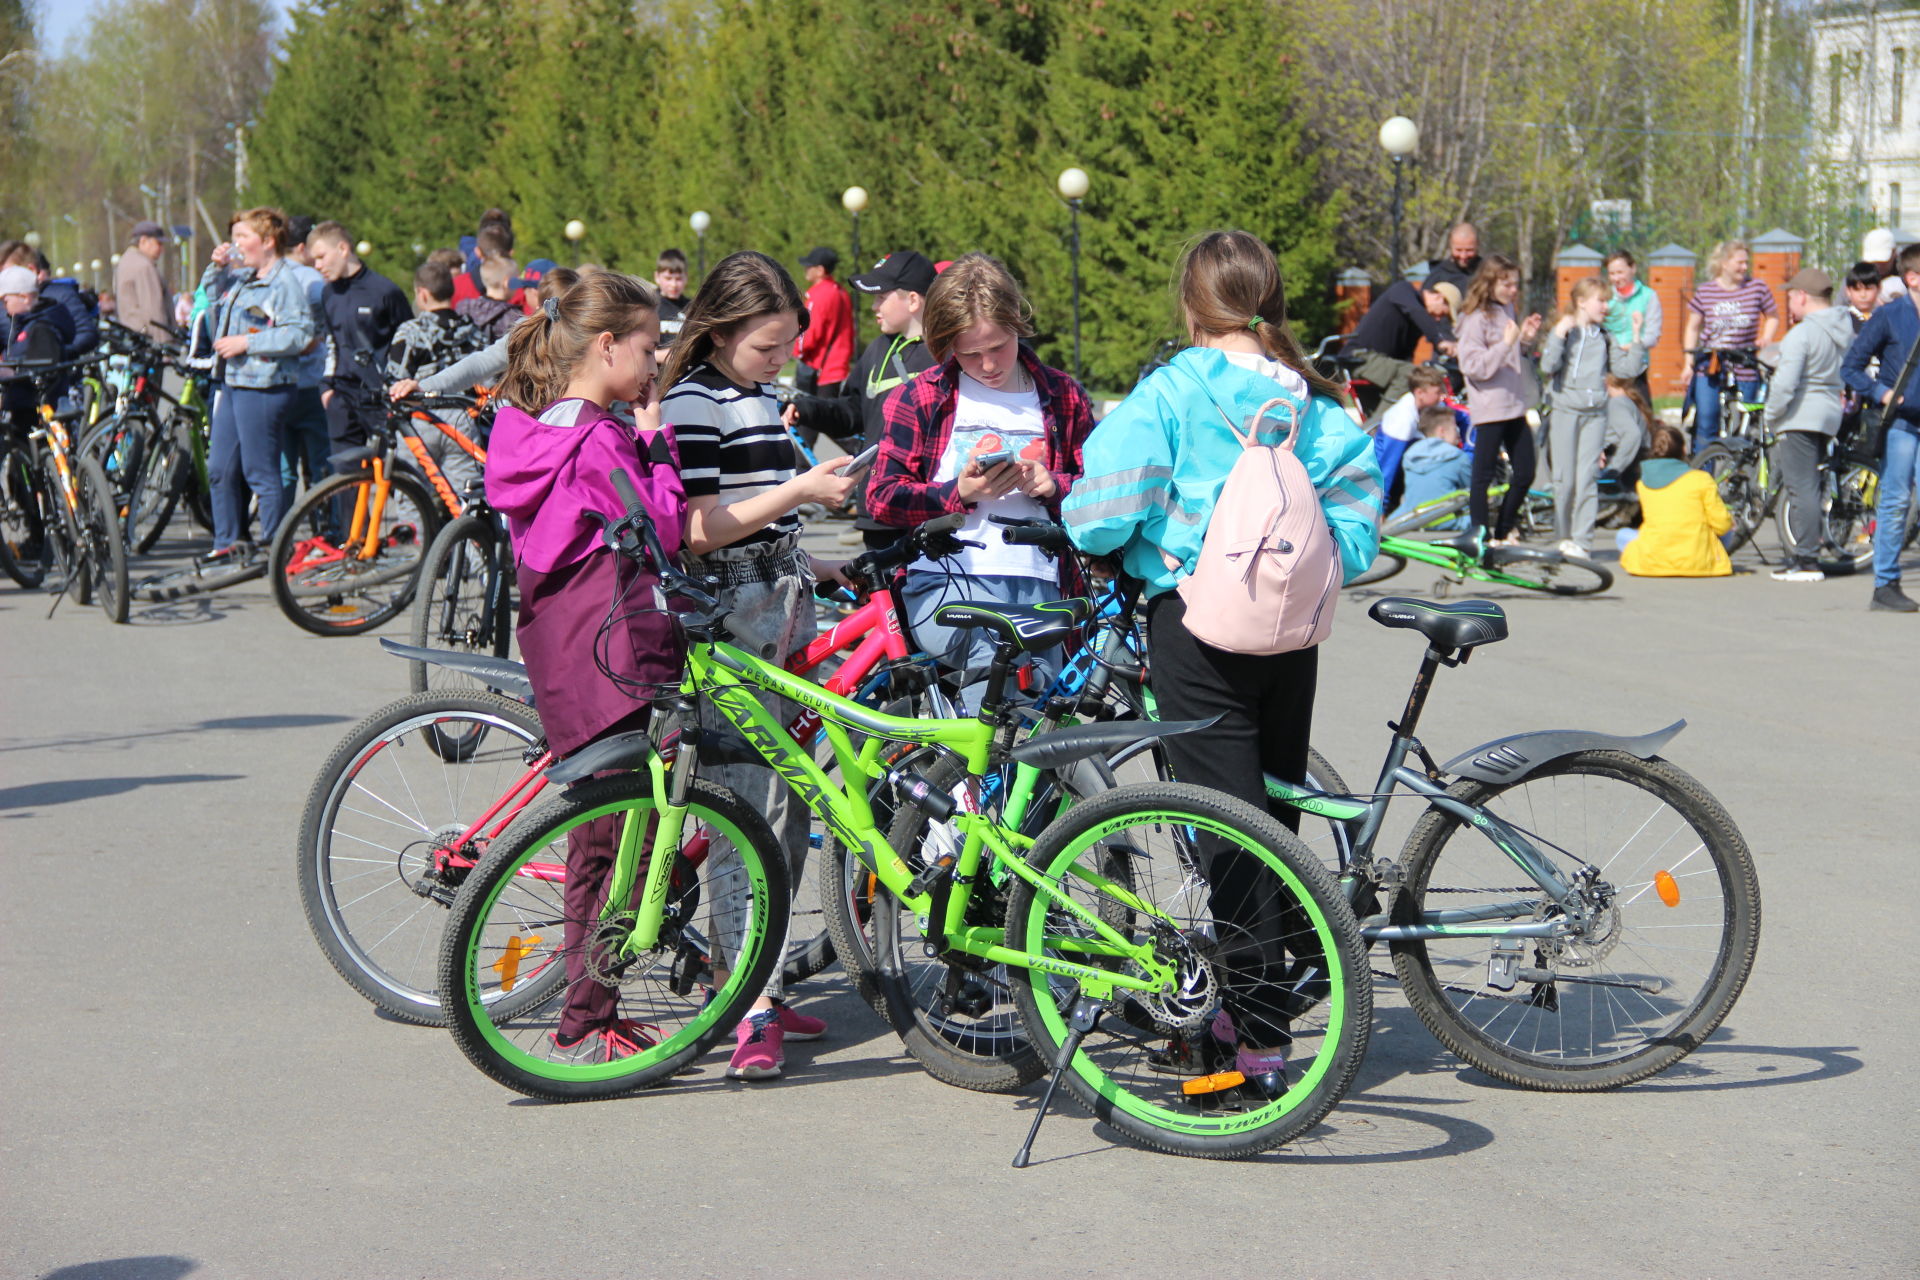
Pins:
x: 1025, y: 531
x: 931, y: 538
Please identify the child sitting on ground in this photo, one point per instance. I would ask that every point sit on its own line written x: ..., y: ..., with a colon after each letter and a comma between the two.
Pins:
x: 1400, y: 424
x: 1682, y: 517
x: 1435, y: 465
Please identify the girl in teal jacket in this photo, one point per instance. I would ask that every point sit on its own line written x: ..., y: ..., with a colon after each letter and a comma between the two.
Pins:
x: 1151, y: 474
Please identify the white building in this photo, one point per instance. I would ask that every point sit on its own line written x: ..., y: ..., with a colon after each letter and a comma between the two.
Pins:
x: 1865, y: 104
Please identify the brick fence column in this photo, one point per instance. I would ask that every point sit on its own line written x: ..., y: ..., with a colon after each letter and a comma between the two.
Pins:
x: 1576, y: 262
x: 1352, y: 295
x: 1776, y: 256
x: 1670, y: 275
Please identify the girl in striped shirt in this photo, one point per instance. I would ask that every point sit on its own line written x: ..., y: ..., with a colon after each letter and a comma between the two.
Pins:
x: 1728, y: 311
x: 739, y: 468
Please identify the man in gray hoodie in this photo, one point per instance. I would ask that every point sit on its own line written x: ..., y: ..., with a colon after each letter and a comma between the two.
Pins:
x: 1803, y: 412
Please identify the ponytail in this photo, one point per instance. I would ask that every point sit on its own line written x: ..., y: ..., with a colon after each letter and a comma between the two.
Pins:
x: 544, y: 349
x: 1229, y: 280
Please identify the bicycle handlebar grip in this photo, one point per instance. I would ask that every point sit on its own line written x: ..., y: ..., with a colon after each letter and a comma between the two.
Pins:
x: 1048, y: 537
x: 623, y: 486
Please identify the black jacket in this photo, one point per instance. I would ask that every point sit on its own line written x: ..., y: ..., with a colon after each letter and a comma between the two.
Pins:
x: 363, y: 312
x: 1395, y: 323
x: 83, y: 309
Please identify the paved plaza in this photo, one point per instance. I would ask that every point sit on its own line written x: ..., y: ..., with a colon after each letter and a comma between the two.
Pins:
x: 190, y: 1091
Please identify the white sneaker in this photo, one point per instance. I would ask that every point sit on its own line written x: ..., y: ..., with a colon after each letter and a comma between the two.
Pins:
x: 1788, y: 573
x: 1573, y: 550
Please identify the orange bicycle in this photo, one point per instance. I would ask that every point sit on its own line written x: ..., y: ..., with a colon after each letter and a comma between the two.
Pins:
x: 347, y: 557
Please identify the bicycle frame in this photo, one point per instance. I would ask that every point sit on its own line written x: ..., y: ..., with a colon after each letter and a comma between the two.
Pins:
x: 728, y: 678
x: 1366, y: 814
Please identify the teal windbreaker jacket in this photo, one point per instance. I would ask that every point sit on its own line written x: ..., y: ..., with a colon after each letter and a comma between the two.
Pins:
x: 1154, y: 467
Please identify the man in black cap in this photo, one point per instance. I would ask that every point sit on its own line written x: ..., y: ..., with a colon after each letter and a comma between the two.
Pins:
x: 825, y: 348
x: 898, y: 285
x: 1387, y: 335
x: 140, y: 292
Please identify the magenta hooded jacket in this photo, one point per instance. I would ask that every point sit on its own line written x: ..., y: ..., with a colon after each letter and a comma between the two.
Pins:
x: 544, y: 479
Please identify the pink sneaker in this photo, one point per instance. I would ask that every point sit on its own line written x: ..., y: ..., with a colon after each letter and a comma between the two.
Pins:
x: 795, y: 1025
x: 757, y: 1047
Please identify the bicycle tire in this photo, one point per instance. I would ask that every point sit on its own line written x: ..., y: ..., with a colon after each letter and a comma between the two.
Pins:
x: 458, y: 605
x: 1426, y: 515
x: 376, y: 820
x: 1731, y: 470
x: 1564, y: 1034
x: 329, y: 593
x: 1311, y: 981
x: 19, y: 507
x: 497, y: 908
x: 1385, y: 565
x: 195, y: 579
x: 155, y: 492
x: 1538, y: 569
x: 986, y: 1051
x: 62, y: 539
x: 1847, y: 518
x: 106, y: 545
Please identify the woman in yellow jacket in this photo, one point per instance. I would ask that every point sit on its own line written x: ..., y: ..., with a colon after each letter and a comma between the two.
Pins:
x: 1681, y: 517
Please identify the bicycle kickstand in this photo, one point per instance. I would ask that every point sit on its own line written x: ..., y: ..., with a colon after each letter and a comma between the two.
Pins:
x: 1085, y: 1017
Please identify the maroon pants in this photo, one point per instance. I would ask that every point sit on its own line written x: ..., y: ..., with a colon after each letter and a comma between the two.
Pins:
x: 590, y: 1006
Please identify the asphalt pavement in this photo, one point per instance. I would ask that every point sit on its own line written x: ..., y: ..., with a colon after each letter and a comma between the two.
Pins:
x: 190, y: 1091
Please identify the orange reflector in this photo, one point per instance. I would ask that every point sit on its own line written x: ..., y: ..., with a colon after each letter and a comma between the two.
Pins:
x: 1213, y: 1083
x: 1668, y: 889
x: 508, y: 965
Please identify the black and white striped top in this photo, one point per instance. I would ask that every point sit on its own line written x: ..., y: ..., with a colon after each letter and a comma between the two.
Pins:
x: 732, y: 442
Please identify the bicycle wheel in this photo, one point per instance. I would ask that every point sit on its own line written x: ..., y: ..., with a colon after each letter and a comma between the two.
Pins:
x: 1847, y: 518
x: 955, y: 1016
x: 63, y: 540
x: 1732, y: 469
x: 1384, y: 566
x: 1425, y: 516
x: 347, y: 557
x: 155, y: 491
x: 23, y: 544
x: 1676, y: 924
x: 1269, y: 943
x: 723, y: 929
x: 1538, y: 569
x: 106, y: 546
x: 462, y: 605
x: 384, y: 841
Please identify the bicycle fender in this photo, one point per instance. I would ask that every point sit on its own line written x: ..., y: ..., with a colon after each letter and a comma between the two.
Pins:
x: 1512, y: 758
x: 504, y: 674
x: 1064, y: 746
x: 621, y: 751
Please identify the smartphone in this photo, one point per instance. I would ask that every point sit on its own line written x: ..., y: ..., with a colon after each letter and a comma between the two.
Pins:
x: 861, y: 461
x: 988, y: 461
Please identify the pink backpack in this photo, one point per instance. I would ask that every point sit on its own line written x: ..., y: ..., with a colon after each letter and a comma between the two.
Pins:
x: 1268, y: 572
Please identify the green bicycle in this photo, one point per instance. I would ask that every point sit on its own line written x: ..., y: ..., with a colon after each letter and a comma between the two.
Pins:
x: 1126, y: 962
x: 1530, y: 568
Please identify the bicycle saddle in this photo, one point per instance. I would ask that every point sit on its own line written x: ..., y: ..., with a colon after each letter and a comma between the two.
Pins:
x: 1446, y: 626
x: 1026, y: 627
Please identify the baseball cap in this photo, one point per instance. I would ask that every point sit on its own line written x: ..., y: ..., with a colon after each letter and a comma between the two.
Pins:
x: 903, y: 270
x: 154, y: 229
x: 1812, y: 280
x: 1878, y: 245
x: 19, y: 280
x: 1447, y: 290
x: 821, y: 256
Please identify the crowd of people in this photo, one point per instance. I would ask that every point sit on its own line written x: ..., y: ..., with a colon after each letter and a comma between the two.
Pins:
x: 1584, y: 377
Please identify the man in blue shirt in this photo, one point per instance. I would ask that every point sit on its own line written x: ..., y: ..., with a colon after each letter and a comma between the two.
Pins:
x: 1890, y: 333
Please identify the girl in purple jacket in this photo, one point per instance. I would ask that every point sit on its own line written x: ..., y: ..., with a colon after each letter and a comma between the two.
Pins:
x: 585, y: 349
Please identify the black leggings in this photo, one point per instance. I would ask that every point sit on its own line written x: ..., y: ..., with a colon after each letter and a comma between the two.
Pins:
x: 1266, y: 709
x: 1489, y: 438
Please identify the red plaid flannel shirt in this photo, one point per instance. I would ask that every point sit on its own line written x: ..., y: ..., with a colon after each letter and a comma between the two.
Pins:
x: 919, y: 421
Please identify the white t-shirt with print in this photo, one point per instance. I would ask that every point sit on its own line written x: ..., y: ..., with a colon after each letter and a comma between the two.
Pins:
x: 985, y: 420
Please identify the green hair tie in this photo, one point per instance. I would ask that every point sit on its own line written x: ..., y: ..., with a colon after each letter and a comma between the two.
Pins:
x: 1255, y: 323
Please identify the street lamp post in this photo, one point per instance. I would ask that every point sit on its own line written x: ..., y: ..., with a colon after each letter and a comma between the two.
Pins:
x: 1398, y: 137
x: 700, y: 221
x: 854, y: 201
x: 1073, y: 185
x: 575, y: 231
